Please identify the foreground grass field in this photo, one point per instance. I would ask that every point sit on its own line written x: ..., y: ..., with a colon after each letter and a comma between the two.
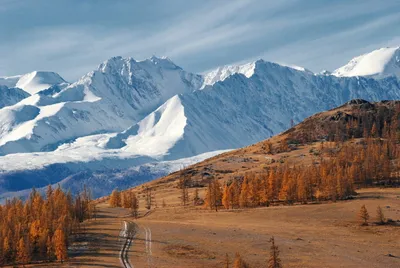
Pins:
x: 321, y: 235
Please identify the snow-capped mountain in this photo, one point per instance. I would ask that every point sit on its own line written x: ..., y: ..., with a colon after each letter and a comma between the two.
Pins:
x: 379, y: 63
x: 33, y: 82
x: 240, y: 110
x: 131, y: 113
x: 110, y: 99
x: 37, y: 81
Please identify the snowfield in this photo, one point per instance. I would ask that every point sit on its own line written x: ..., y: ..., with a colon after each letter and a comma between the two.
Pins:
x: 378, y: 64
x: 130, y: 121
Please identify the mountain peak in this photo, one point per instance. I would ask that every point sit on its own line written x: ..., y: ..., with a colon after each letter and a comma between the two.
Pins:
x: 114, y: 63
x: 164, y: 62
x: 247, y: 69
x: 38, y: 80
x: 33, y: 82
x: 162, y: 58
x: 221, y: 73
x: 379, y: 63
x: 118, y: 63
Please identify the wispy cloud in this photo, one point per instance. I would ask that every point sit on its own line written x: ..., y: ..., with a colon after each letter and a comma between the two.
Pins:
x: 198, y: 36
x: 337, y: 47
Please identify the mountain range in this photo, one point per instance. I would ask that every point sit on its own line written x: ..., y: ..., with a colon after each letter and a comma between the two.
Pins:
x: 130, y: 121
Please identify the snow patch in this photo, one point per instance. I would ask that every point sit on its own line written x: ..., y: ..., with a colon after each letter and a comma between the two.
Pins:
x: 379, y: 63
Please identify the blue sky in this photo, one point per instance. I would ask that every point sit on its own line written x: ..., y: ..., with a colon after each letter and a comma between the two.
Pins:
x: 72, y: 37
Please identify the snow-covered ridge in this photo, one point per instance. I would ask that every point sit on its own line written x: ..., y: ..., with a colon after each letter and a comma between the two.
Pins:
x: 11, y: 96
x: 221, y: 73
x: 247, y: 69
x: 117, y: 95
x: 156, y: 134
x: 37, y: 81
x: 130, y: 113
x: 298, y: 68
x: 379, y: 63
x: 33, y: 82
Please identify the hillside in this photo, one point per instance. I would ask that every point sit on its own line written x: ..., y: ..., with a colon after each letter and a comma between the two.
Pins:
x: 319, y: 138
x: 320, y: 235
x: 311, y: 226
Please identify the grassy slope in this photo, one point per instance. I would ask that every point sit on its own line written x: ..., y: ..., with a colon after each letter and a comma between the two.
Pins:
x: 323, y: 235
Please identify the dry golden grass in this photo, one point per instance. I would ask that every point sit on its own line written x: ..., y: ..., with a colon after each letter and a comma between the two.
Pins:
x: 187, y: 252
x: 321, y: 235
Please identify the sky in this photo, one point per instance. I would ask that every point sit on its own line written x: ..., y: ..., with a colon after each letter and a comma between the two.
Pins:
x: 72, y: 37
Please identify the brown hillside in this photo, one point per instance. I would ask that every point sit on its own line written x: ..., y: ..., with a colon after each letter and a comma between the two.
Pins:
x: 305, y: 143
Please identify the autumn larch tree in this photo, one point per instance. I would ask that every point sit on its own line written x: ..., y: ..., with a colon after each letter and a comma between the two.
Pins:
x: 126, y: 199
x: 274, y: 261
x: 115, y: 199
x: 7, y: 249
x: 234, y: 194
x: 254, y: 191
x: 268, y: 147
x: 134, y: 206
x: 213, y: 194
x: 239, y: 262
x: 149, y: 197
x: 23, y: 252
x: 380, y: 216
x: 363, y: 215
x: 183, y: 185
x: 284, y: 147
x: 225, y: 197
x: 244, y: 193
x: 196, y: 197
x: 226, y: 263
x: 49, y: 249
x: 60, y: 247
x: 272, y: 187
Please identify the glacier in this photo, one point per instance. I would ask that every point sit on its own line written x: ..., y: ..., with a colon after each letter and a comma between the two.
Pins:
x: 130, y: 121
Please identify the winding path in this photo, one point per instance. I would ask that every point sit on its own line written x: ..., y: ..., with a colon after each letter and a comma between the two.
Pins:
x: 128, y: 232
x: 148, y: 241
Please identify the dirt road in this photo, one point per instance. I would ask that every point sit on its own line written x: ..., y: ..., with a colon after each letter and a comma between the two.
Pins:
x: 148, y: 242
x: 128, y: 233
